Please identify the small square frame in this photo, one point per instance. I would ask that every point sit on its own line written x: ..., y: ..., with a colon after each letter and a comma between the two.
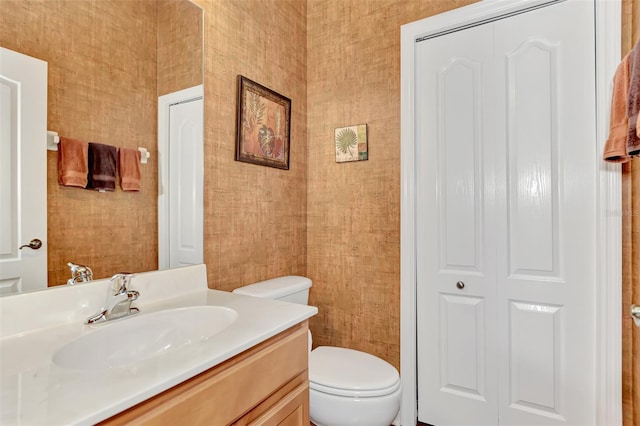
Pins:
x: 351, y: 143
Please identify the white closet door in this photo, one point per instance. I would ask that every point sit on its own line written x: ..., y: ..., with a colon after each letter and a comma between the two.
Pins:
x: 505, y: 167
x: 455, y: 219
x: 546, y: 273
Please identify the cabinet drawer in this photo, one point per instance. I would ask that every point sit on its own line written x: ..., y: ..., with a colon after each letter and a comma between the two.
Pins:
x: 226, y: 392
x: 292, y: 410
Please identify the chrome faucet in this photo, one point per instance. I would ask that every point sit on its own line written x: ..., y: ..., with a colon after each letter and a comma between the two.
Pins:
x: 79, y: 274
x: 119, y: 298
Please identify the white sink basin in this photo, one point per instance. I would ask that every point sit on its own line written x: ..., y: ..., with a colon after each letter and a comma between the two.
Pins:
x: 129, y: 340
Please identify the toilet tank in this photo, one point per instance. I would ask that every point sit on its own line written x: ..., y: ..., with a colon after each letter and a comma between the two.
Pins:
x: 291, y: 288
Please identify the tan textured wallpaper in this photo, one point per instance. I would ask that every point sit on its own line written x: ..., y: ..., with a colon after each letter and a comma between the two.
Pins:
x: 179, y: 45
x: 255, y: 216
x: 353, y: 222
x: 102, y: 88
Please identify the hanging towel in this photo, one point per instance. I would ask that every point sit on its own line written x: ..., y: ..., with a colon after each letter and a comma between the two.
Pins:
x: 102, y: 167
x: 129, y: 169
x: 72, y: 162
x: 633, y: 101
x: 615, y: 149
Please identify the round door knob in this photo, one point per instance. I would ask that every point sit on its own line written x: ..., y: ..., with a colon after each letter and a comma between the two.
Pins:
x: 460, y: 285
x: 34, y: 244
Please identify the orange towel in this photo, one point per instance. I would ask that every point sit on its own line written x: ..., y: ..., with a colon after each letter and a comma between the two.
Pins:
x: 72, y: 162
x: 129, y: 169
x: 615, y: 149
x: 102, y: 167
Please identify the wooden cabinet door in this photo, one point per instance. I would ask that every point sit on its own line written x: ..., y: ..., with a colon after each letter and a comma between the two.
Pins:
x: 292, y: 410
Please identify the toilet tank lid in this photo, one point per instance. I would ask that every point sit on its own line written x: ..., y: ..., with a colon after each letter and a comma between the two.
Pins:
x: 275, y: 287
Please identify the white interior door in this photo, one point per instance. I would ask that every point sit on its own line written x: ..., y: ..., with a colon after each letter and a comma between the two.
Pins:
x: 455, y: 221
x: 545, y: 66
x: 186, y: 176
x: 23, y: 172
x: 506, y: 206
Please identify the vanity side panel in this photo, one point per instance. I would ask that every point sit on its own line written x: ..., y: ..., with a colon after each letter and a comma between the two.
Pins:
x: 226, y: 392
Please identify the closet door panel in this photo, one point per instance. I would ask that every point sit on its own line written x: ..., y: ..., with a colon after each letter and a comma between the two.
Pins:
x: 535, y: 340
x: 532, y: 126
x: 546, y: 249
x: 461, y: 344
x: 455, y: 248
x: 459, y: 189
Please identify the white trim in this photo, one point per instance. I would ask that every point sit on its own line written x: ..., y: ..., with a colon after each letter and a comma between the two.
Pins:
x: 608, y: 363
x: 164, y: 103
x: 408, y: 331
x: 609, y: 243
x: 473, y: 14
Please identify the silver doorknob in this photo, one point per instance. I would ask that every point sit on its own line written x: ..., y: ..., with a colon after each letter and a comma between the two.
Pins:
x: 635, y: 314
x: 460, y: 285
x: 34, y: 244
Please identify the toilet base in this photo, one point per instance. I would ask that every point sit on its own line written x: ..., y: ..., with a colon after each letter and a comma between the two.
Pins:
x: 331, y: 410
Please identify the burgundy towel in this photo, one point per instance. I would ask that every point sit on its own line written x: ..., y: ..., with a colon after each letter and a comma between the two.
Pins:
x: 102, y: 167
x: 633, y: 102
x: 129, y: 169
x: 72, y: 162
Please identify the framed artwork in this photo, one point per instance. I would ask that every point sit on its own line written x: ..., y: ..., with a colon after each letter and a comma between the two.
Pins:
x: 351, y: 143
x: 264, y: 122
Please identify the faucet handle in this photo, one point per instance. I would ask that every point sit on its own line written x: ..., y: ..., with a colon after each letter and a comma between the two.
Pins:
x: 79, y: 273
x: 120, y: 281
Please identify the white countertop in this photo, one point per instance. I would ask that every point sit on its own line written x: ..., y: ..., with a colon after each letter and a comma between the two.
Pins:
x: 33, y: 326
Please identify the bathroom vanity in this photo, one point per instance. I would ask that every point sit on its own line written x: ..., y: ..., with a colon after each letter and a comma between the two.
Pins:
x: 265, y: 385
x: 191, y: 356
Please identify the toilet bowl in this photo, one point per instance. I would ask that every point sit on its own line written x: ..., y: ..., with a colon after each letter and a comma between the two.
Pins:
x: 346, y: 387
x: 351, y: 388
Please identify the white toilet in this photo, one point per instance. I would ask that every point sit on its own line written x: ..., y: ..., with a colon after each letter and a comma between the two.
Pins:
x: 347, y: 387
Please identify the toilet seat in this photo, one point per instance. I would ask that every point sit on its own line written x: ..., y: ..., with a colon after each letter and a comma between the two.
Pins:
x: 351, y: 373
x: 353, y: 393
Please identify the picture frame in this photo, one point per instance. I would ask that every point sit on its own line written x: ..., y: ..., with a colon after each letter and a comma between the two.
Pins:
x: 263, y: 125
x: 351, y: 143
